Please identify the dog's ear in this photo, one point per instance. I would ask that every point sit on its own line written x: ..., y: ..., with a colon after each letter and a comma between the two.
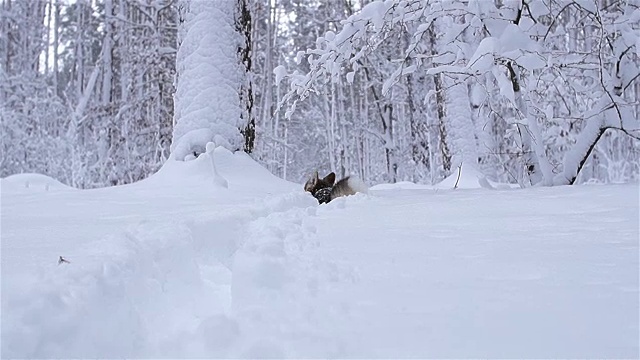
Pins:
x: 331, y: 178
x: 311, y: 183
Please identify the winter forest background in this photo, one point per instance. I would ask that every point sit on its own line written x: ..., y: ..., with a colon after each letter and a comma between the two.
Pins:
x: 103, y: 92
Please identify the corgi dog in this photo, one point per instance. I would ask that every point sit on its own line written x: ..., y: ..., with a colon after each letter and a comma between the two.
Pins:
x: 326, y: 189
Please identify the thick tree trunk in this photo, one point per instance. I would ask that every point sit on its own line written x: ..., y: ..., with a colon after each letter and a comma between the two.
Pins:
x: 214, y: 99
x: 460, y: 125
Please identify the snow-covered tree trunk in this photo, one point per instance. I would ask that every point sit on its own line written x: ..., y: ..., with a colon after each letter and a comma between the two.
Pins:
x: 460, y: 128
x: 74, y: 133
x: 575, y: 159
x: 211, y: 79
x: 537, y: 166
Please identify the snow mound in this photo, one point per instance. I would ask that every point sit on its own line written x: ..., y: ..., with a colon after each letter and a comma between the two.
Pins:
x: 466, y: 178
x: 178, y: 266
x: 219, y: 169
x: 32, y: 183
x: 181, y: 275
x: 401, y: 185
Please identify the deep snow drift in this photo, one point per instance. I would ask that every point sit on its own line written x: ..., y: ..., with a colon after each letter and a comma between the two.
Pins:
x: 243, y: 264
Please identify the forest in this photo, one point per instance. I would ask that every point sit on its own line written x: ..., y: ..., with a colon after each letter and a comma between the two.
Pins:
x: 98, y: 93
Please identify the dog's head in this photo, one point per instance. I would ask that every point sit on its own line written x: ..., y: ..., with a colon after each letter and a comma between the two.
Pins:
x: 315, y: 183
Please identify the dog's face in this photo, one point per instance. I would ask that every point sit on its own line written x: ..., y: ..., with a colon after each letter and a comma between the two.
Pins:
x: 315, y: 183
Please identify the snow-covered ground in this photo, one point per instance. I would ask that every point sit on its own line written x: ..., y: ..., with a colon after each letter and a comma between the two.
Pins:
x: 243, y: 264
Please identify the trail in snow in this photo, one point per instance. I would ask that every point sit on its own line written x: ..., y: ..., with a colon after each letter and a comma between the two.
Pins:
x: 176, y: 266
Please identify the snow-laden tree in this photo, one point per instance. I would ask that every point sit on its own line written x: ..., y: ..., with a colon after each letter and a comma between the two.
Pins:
x: 601, y: 65
x: 86, y: 94
x: 214, y: 100
x: 119, y: 88
x: 529, y: 92
x: 290, y: 147
x: 508, y: 54
x: 31, y: 115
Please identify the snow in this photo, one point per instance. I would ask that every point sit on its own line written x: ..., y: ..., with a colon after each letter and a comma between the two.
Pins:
x: 350, y: 76
x: 32, y: 183
x: 513, y: 38
x: 375, y: 12
x: 280, y: 72
x: 401, y: 185
x: 177, y: 266
x: 465, y: 177
x: 514, y: 44
x: 588, y: 5
x: 504, y: 83
x: 538, y: 9
x: 483, y: 60
x: 206, y: 98
x: 531, y: 61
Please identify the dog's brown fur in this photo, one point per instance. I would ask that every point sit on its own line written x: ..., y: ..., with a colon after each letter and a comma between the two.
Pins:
x: 326, y: 189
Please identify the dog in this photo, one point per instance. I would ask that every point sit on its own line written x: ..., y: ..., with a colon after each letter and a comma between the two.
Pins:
x: 326, y: 189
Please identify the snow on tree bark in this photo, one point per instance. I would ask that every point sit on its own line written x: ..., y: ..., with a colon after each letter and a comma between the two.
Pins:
x: 460, y: 128
x: 209, y: 79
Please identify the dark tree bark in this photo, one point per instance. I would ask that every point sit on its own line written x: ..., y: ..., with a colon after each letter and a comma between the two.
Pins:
x: 244, y: 28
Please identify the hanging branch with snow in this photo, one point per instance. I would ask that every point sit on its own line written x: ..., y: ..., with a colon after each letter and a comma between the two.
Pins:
x: 509, y: 51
